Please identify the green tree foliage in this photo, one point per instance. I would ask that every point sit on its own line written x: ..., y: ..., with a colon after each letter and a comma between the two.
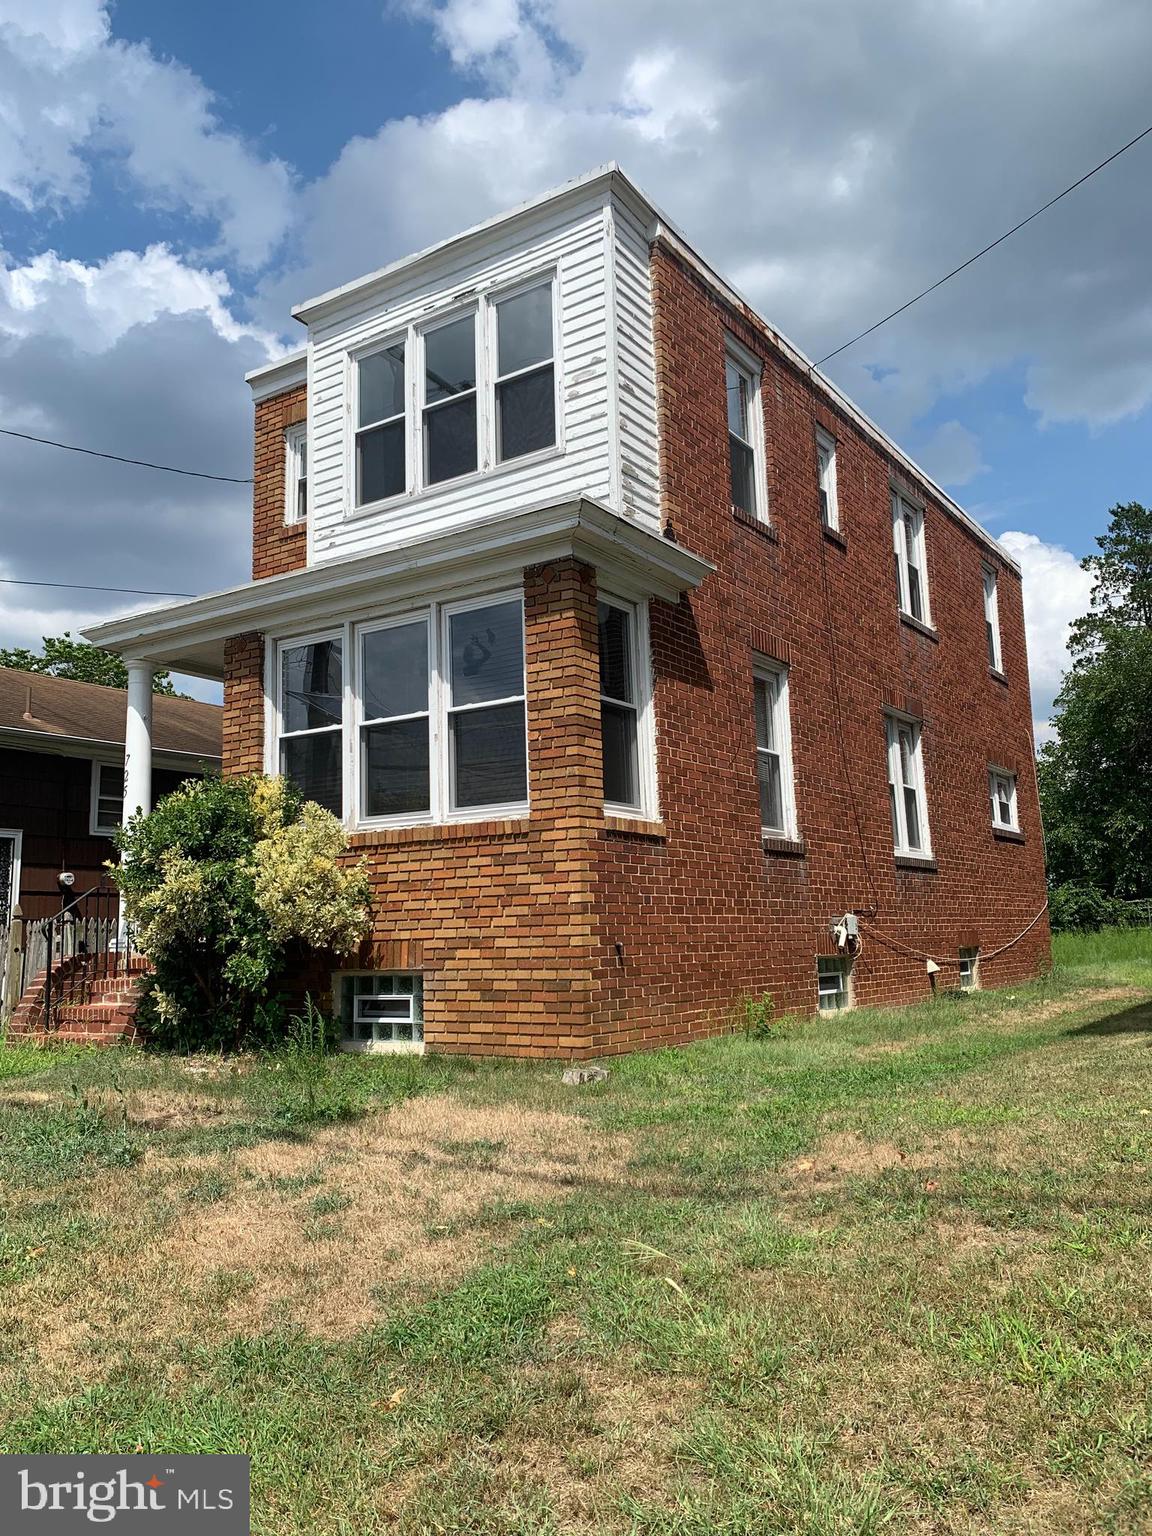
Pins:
x: 225, y: 882
x: 61, y: 656
x: 1096, y: 775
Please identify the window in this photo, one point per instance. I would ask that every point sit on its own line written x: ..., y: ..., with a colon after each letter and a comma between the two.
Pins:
x: 619, y: 706
x: 1002, y: 789
x: 436, y: 725
x: 525, y: 378
x: 107, y: 798
x: 449, y: 410
x: 381, y: 456
x: 381, y: 1012
x: 911, y: 570
x: 969, y: 970
x: 826, y: 473
x: 311, y: 716
x: 992, y: 620
x: 774, y: 752
x: 906, y: 788
x: 743, y: 386
x: 296, y: 473
x: 833, y: 983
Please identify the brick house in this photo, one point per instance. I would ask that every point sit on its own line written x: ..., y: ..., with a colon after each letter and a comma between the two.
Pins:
x: 636, y: 659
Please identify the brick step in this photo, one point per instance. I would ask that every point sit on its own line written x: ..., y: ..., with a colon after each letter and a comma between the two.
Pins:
x: 95, y: 1013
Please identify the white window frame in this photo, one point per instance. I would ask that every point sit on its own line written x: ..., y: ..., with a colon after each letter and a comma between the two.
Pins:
x: 438, y: 616
x: 992, y: 619
x: 894, y: 725
x: 910, y: 552
x: 647, y: 809
x: 774, y: 674
x: 826, y: 477
x: 753, y: 369
x: 95, y: 826
x: 971, y: 958
x: 841, y: 967
x: 383, y: 1047
x: 295, y: 455
x: 483, y: 307
x: 478, y: 392
x: 996, y: 777
x: 352, y: 460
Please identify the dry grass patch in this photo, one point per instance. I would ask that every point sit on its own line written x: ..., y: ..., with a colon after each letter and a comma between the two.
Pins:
x: 148, y: 1109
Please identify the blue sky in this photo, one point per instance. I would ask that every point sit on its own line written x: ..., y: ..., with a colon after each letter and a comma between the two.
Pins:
x: 173, y: 177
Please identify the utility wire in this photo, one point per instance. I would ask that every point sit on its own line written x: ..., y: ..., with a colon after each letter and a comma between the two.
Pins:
x: 940, y: 281
x: 79, y: 586
x: 95, y: 453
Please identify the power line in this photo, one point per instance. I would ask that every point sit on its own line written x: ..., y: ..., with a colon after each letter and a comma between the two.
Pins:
x: 79, y: 586
x: 999, y: 241
x: 95, y: 453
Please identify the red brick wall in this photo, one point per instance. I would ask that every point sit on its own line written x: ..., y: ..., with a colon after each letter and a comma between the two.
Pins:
x: 694, y: 920
x: 276, y: 546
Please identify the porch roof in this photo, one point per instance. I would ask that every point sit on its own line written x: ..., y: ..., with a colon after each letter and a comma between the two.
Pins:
x: 189, y: 636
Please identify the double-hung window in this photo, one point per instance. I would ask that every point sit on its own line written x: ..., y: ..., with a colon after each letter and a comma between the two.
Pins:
x: 296, y: 473
x: 381, y: 430
x: 525, y: 375
x: 621, y: 702
x: 826, y: 476
x: 448, y: 406
x: 911, y: 568
x: 742, y: 382
x: 906, y: 788
x: 774, y: 752
x: 1002, y: 792
x: 107, y: 797
x: 311, y: 719
x: 395, y: 720
x: 992, y: 620
x: 484, y: 704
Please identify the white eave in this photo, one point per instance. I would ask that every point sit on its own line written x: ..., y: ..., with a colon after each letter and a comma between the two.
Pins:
x: 632, y: 560
x: 274, y: 378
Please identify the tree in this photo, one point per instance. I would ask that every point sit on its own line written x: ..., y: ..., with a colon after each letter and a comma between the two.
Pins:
x: 1096, y: 775
x: 61, y: 656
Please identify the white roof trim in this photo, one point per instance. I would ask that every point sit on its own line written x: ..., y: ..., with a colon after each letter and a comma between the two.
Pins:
x: 634, y: 559
x: 274, y: 378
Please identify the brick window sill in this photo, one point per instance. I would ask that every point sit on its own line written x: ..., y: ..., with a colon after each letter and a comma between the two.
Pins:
x: 756, y: 525
x: 789, y: 847
x: 834, y: 536
x: 444, y: 832
x: 1007, y: 835
x: 998, y: 677
x: 921, y: 628
x: 636, y: 826
x: 911, y: 861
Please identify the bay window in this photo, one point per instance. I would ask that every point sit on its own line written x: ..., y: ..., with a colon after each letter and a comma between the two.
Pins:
x: 449, y: 400
x: 906, y: 788
x: 431, y: 725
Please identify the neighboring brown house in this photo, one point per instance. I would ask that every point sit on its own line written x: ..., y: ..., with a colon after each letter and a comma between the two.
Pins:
x: 646, y: 672
x: 62, y: 776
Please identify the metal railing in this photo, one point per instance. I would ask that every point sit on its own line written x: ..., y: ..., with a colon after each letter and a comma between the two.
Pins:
x: 82, y: 944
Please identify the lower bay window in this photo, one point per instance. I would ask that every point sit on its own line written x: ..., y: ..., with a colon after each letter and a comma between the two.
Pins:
x: 430, y: 726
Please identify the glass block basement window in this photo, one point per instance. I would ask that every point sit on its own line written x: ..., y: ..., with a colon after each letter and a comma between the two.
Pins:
x: 382, y: 1010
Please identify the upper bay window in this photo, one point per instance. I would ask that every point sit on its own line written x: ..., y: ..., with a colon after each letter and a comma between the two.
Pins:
x: 453, y: 396
x: 911, y: 565
x: 742, y: 383
x: 435, y: 725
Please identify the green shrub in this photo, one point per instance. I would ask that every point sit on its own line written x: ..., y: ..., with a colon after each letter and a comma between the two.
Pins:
x: 1084, y: 909
x: 221, y: 882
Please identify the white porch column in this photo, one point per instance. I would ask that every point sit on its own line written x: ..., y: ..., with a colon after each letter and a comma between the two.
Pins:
x: 138, y: 739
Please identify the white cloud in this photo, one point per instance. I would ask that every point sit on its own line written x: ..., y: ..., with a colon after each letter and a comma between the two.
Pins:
x: 1056, y: 592
x: 952, y: 454
x: 70, y: 90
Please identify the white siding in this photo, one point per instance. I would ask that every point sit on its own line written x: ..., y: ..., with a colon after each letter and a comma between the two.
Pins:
x: 571, y: 240
x: 638, y: 430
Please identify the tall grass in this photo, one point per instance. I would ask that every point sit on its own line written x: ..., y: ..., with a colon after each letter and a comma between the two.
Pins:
x: 1122, y: 956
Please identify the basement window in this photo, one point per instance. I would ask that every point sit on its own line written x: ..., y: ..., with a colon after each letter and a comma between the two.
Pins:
x: 382, y: 1011
x: 833, y: 983
x: 969, y: 978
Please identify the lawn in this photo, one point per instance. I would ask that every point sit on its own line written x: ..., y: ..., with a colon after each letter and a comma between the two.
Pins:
x: 881, y: 1272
